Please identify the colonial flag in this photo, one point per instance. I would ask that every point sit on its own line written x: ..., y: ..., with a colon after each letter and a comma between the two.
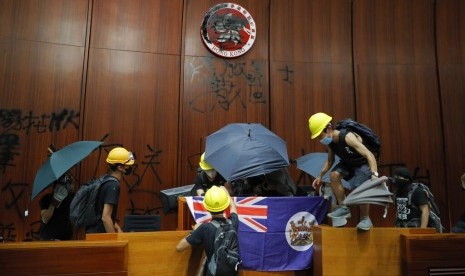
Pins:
x: 275, y: 233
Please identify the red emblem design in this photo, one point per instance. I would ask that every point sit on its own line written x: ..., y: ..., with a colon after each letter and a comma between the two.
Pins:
x: 228, y: 30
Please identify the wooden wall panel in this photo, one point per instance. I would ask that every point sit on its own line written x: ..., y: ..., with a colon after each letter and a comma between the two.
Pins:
x: 310, y: 88
x: 397, y: 87
x: 396, y: 31
x: 53, y: 21
x: 401, y: 104
x: 138, y: 25
x: 311, y: 31
x: 310, y: 46
x: 218, y: 91
x: 134, y: 100
x: 451, y: 68
x: 40, y: 80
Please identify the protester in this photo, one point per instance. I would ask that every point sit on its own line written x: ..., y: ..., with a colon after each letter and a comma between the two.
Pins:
x: 120, y: 162
x: 459, y: 226
x: 55, y: 211
x: 207, y: 178
x: 357, y: 164
x: 414, y: 214
x: 216, y: 201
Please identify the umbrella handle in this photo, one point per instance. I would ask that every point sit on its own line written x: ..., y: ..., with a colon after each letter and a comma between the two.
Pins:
x: 385, y: 211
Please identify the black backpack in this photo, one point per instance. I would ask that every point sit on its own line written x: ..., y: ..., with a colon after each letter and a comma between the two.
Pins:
x: 370, y: 139
x: 225, y: 259
x: 434, y: 214
x: 83, y: 208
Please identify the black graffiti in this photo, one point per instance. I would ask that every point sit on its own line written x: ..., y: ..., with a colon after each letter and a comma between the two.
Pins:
x: 15, y: 195
x: 27, y: 121
x: 7, y: 232
x: 288, y: 73
x: 34, y: 231
x: 9, y: 144
x: 224, y: 86
x: 143, y: 211
x: 151, y: 163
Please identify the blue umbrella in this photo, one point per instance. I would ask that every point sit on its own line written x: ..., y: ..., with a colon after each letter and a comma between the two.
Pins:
x: 60, y: 162
x: 242, y: 150
x: 312, y: 164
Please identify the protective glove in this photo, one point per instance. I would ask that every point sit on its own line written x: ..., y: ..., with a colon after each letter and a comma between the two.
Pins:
x: 59, y: 194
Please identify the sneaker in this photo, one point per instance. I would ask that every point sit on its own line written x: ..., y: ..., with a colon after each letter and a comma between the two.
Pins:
x: 339, y: 222
x: 365, y: 224
x: 341, y: 211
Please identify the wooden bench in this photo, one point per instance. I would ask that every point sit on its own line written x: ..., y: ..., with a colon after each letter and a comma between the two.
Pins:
x: 346, y: 251
x: 64, y: 257
x: 436, y: 254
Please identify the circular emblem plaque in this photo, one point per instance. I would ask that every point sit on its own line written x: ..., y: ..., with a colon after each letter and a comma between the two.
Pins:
x: 228, y: 30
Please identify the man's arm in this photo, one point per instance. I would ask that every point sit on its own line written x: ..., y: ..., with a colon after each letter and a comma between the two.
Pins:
x: 182, y: 245
x: 424, y: 215
x: 328, y: 164
x: 106, y: 218
x: 352, y: 141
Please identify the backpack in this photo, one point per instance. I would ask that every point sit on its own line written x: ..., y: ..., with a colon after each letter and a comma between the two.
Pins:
x: 83, y: 208
x: 225, y: 258
x: 370, y: 139
x: 434, y: 214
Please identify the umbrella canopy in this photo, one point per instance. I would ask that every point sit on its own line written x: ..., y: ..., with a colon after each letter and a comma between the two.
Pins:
x: 243, y: 150
x: 312, y: 164
x: 60, y: 162
x: 370, y: 192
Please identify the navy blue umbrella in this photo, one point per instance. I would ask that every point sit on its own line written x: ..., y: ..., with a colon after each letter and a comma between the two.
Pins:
x: 242, y: 150
x: 60, y: 162
x: 312, y: 164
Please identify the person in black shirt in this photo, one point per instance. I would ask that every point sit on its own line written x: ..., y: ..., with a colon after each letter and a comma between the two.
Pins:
x: 414, y: 214
x: 121, y: 163
x: 357, y: 164
x: 54, y: 211
x: 207, y: 178
x: 217, y: 199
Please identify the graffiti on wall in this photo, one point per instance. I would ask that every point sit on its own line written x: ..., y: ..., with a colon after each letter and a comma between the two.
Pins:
x: 224, y: 79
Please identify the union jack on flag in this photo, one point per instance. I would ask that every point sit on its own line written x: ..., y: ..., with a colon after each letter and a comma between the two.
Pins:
x: 252, y: 212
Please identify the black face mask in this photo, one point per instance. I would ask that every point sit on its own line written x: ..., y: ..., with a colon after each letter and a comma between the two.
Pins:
x: 400, y: 183
x: 128, y: 171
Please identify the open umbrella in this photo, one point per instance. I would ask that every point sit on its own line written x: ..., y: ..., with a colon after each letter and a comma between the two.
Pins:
x: 370, y: 192
x: 312, y: 164
x: 60, y: 162
x: 242, y: 150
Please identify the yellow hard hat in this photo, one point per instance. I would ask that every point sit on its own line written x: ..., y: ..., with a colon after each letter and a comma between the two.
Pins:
x: 317, y: 123
x: 204, y: 165
x: 120, y: 156
x: 216, y: 199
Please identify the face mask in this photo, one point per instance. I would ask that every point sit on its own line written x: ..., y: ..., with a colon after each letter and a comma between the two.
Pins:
x: 327, y: 140
x: 211, y: 173
x: 128, y: 171
x: 400, y: 183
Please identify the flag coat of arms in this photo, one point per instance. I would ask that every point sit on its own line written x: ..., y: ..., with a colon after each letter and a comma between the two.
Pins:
x: 275, y: 233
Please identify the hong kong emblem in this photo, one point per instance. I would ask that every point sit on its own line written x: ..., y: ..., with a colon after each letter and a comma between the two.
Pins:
x: 228, y: 30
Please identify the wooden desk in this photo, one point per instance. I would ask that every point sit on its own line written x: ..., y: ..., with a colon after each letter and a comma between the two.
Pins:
x: 64, y: 257
x: 346, y: 251
x: 185, y: 219
x: 435, y: 253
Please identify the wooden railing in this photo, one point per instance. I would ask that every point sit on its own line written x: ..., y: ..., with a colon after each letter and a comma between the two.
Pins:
x: 64, y: 257
x: 346, y: 251
x: 436, y: 254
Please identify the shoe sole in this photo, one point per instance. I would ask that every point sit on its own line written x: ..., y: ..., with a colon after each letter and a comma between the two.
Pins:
x: 363, y: 229
x: 346, y: 216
